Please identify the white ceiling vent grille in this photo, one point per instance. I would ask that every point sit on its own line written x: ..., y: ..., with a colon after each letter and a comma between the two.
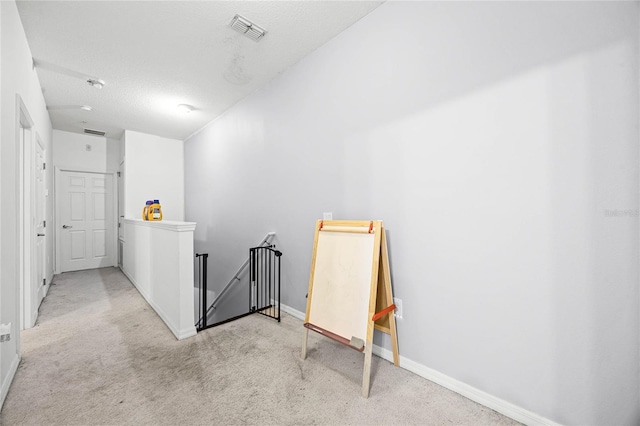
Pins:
x: 94, y: 132
x: 248, y: 28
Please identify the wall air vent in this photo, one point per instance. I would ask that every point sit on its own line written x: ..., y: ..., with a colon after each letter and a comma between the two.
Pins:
x: 94, y: 132
x: 248, y: 28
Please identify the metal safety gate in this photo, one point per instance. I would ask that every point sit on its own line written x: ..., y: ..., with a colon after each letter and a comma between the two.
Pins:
x: 261, y: 285
x: 264, y: 264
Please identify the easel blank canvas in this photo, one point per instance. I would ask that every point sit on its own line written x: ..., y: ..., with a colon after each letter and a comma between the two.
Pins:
x: 348, y: 284
x: 342, y: 283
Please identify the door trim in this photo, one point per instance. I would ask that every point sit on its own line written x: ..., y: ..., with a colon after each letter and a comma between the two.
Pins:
x: 57, y: 179
x: 23, y: 228
x: 42, y: 289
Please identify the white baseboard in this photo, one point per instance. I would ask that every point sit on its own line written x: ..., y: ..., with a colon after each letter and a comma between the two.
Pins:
x: 180, y: 334
x: 6, y: 383
x: 34, y: 317
x: 293, y: 312
x: 501, y: 406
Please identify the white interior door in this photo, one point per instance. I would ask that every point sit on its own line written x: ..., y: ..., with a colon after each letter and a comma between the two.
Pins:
x: 39, y: 213
x: 86, y: 220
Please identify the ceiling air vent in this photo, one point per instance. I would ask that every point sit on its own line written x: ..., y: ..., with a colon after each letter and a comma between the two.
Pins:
x: 94, y: 132
x: 248, y: 28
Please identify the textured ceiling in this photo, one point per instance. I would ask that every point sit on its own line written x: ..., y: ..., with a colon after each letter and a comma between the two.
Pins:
x: 155, y: 55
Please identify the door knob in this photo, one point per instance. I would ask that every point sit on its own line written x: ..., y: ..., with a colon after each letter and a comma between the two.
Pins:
x: 67, y: 226
x: 40, y: 235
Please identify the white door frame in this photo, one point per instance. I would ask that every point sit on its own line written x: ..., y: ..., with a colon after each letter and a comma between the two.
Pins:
x: 23, y: 230
x: 57, y: 179
x: 43, y: 288
x: 120, y: 213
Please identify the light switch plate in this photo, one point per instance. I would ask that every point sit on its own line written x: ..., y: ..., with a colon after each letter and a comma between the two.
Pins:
x: 5, y: 332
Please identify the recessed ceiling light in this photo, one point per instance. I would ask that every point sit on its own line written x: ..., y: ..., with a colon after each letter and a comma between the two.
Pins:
x: 86, y: 108
x: 97, y: 83
x: 184, y: 108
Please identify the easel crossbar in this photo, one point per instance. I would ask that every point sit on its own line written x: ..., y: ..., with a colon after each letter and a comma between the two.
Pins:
x: 348, y: 230
x: 383, y: 312
x: 332, y: 336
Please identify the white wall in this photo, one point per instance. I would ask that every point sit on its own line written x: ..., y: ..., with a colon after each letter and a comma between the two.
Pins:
x: 154, y: 169
x: 70, y: 152
x: 121, y: 142
x: 5, y: 376
x: 497, y: 141
x: 17, y: 78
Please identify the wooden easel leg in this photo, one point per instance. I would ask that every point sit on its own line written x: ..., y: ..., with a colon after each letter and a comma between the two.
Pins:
x: 393, y: 332
x: 303, y: 355
x: 366, y: 371
x: 394, y: 341
x: 384, y: 257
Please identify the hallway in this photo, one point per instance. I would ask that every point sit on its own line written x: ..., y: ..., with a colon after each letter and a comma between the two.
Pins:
x: 100, y: 355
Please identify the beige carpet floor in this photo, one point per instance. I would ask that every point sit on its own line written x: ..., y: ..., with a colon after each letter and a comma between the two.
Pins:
x: 99, y: 355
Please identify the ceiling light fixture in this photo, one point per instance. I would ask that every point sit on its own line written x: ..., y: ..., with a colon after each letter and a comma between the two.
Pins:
x: 86, y: 108
x: 248, y: 28
x: 91, y: 81
x: 184, y: 108
x: 96, y: 82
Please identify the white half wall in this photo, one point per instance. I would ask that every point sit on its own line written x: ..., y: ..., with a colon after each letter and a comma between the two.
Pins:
x: 498, y: 141
x: 158, y: 260
x: 17, y: 78
x: 154, y: 169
